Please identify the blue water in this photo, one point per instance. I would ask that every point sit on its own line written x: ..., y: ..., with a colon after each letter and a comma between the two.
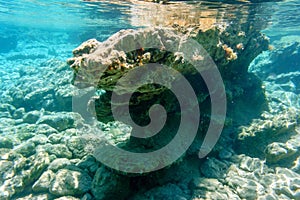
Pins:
x: 38, y: 36
x: 79, y: 20
x: 285, y: 19
x: 58, y: 22
x: 34, y: 34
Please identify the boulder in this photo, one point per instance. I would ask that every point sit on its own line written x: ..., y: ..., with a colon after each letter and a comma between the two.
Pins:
x: 209, y: 188
x: 58, y: 164
x: 68, y: 182
x: 107, y: 185
x: 26, y: 171
x: 31, y: 117
x: 277, y: 151
x: 43, y: 183
x: 59, y: 121
x: 59, y: 150
x: 168, y: 192
x: 6, y: 142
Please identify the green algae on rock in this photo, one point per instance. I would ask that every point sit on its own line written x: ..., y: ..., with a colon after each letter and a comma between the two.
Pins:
x: 111, y: 60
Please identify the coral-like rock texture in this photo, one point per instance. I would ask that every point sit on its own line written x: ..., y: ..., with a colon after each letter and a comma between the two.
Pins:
x: 102, y: 64
x: 229, y: 46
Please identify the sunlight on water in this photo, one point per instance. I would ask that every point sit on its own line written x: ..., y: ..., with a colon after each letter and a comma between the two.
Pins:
x: 75, y: 14
x: 286, y: 18
x: 58, y: 14
x: 54, y: 130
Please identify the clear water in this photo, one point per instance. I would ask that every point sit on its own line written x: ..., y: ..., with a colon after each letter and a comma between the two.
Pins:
x: 82, y: 20
x: 62, y: 15
x: 46, y: 21
x: 38, y: 36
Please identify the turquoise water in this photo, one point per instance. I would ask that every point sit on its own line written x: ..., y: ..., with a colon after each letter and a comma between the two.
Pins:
x: 79, y: 21
x: 34, y: 32
x: 46, y: 147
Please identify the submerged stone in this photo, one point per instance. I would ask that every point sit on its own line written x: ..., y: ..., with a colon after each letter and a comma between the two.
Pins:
x: 58, y: 164
x: 107, y: 185
x: 45, y: 129
x: 26, y: 172
x: 31, y: 117
x: 68, y: 182
x: 39, y: 139
x: 209, y: 188
x: 46, y: 196
x: 6, y: 142
x: 19, y: 113
x: 167, y: 192
x: 60, y: 121
x: 6, y: 170
x: 67, y: 198
x: 7, y: 108
x: 253, y: 139
x: 43, y: 183
x: 102, y: 64
x: 55, y: 138
x: 26, y: 149
x: 276, y: 151
x: 214, y: 168
x: 59, y: 150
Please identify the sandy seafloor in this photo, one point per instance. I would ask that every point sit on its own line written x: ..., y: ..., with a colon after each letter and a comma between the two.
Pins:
x: 44, y: 155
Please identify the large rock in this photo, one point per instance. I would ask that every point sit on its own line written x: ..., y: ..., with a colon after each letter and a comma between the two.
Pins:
x: 232, y: 47
x: 43, y: 183
x: 107, y: 185
x: 276, y: 151
x: 25, y: 171
x: 31, y: 117
x: 103, y: 64
x: 229, y: 47
x: 58, y: 164
x: 167, y: 192
x: 116, y: 56
x: 68, y: 182
x: 209, y: 188
x: 59, y: 150
x: 280, y: 60
x: 60, y: 121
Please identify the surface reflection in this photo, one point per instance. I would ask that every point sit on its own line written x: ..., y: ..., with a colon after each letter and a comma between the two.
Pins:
x: 203, y: 15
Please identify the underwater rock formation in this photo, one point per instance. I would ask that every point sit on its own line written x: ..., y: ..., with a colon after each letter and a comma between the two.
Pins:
x: 102, y: 64
x: 45, y: 151
x: 92, y: 58
x: 258, y: 138
x: 272, y: 63
x: 18, y: 172
x: 231, y: 47
x: 274, y: 136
